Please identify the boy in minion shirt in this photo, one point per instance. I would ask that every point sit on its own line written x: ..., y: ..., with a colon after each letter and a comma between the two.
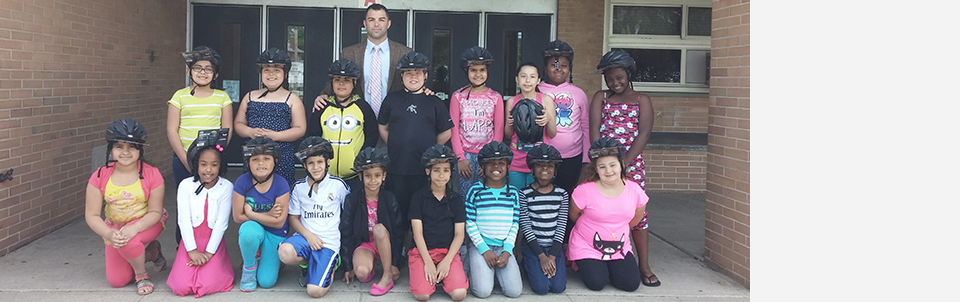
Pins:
x: 347, y: 121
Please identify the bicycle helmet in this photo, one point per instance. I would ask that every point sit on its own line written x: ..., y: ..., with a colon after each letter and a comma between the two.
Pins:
x: 127, y: 130
x: 314, y: 146
x: 524, y: 115
x: 558, y: 48
x: 494, y: 150
x: 474, y: 56
x: 368, y: 157
x: 436, y: 154
x: 413, y: 60
x: 274, y: 56
x: 201, y: 53
x: 344, y: 68
x: 260, y: 146
x: 616, y: 58
x: 606, y: 147
x: 543, y: 153
x: 207, y: 139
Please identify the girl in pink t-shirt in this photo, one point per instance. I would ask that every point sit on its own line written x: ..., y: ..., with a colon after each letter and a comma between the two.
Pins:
x: 528, y: 77
x: 604, y: 206
x: 130, y: 193
x: 475, y: 111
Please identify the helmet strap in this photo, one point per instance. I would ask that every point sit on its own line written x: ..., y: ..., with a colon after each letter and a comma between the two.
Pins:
x: 269, y: 91
x: 316, y: 182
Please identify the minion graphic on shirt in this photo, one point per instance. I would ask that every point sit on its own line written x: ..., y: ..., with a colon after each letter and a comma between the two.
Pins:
x: 343, y: 127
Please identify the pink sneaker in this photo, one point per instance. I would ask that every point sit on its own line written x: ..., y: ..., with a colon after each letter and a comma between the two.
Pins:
x: 376, y: 290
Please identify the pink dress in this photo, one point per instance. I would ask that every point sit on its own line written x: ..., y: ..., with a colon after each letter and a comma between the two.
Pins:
x: 621, y: 122
x: 212, y: 277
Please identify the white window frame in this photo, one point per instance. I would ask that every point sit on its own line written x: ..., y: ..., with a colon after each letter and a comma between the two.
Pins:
x: 683, y: 43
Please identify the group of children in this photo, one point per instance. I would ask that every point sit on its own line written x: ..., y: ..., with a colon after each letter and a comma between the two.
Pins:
x: 347, y: 213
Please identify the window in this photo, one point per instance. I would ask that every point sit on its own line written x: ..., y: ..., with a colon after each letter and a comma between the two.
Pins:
x: 670, y: 41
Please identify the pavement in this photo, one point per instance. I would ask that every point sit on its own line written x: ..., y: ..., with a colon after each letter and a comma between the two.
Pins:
x: 68, y: 264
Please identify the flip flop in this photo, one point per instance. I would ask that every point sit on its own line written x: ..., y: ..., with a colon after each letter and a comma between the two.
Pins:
x: 376, y: 290
x: 646, y: 281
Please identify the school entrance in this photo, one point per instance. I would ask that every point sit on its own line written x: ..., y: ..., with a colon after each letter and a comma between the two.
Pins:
x: 514, y: 31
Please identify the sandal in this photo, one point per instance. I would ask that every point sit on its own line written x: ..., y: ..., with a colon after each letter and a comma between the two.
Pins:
x: 646, y: 280
x: 143, y: 282
x: 159, y: 262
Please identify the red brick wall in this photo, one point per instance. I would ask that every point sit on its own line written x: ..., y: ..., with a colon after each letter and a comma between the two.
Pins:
x: 728, y: 152
x: 67, y: 70
x: 676, y: 171
x: 580, y: 24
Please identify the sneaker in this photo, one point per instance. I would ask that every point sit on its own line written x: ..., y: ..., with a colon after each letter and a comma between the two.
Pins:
x: 303, y: 276
x: 248, y: 279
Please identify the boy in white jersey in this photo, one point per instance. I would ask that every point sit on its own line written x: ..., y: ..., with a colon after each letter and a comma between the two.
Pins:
x: 315, y: 204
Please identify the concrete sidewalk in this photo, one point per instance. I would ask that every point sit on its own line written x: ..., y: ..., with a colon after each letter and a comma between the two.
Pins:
x: 68, y: 265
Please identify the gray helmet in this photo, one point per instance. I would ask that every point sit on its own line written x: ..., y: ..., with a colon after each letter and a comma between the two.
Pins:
x: 617, y: 58
x: 344, y: 68
x: 127, y: 130
x: 524, y: 115
x: 606, y: 147
x: 543, y: 153
x: 370, y: 156
x: 494, y: 150
x: 413, y: 60
x: 474, y: 56
x: 438, y: 152
x: 201, y: 53
x: 314, y: 146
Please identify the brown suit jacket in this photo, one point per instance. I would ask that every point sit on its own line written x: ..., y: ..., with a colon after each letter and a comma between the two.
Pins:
x: 356, y: 53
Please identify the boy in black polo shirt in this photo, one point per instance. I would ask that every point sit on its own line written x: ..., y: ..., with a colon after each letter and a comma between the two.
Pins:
x: 411, y: 121
x: 437, y: 217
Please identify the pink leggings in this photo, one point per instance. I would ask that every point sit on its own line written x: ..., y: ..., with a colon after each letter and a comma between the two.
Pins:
x: 119, y: 271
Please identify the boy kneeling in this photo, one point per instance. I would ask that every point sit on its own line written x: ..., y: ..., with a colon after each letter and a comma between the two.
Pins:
x: 315, y: 215
x: 437, y: 218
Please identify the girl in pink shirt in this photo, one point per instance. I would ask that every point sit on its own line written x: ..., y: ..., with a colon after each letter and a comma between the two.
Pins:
x: 130, y: 193
x: 604, y: 206
x: 475, y: 111
x: 528, y: 77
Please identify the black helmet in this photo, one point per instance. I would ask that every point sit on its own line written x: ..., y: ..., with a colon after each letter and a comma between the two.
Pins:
x: 558, y: 48
x: 370, y: 156
x: 216, y: 138
x: 438, y: 152
x: 127, y: 130
x: 314, y: 146
x: 606, y: 147
x: 201, y: 53
x: 543, y: 153
x: 524, y: 115
x: 344, y: 68
x: 494, y: 150
x: 413, y: 60
x: 474, y: 56
x: 617, y: 58
x: 274, y: 56
x: 260, y: 145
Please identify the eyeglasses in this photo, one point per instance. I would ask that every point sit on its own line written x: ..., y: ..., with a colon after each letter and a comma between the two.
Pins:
x: 199, y: 69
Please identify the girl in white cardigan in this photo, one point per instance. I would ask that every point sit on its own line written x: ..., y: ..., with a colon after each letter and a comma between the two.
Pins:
x: 204, y: 204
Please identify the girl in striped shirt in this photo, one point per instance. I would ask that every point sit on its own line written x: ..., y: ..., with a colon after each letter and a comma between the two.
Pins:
x: 543, y: 219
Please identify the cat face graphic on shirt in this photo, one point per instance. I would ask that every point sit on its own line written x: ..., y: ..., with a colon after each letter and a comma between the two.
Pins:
x: 608, y: 248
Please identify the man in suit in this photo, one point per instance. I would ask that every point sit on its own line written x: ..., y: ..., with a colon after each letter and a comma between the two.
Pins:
x: 378, y: 79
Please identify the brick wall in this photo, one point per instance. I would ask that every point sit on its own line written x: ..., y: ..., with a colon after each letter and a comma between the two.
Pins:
x: 676, y: 171
x: 67, y: 70
x: 580, y: 24
x: 728, y: 152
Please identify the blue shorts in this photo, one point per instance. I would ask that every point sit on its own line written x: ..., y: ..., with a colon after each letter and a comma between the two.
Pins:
x: 320, y: 264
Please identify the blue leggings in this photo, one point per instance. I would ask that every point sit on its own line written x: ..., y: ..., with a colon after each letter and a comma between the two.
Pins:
x: 520, y: 179
x: 253, y: 237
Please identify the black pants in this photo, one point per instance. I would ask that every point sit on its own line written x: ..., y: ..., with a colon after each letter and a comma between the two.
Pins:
x: 403, y: 187
x: 568, y: 172
x: 622, y: 274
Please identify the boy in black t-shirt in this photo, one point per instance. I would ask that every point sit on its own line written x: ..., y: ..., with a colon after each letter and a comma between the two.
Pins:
x: 438, y: 218
x: 411, y: 121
